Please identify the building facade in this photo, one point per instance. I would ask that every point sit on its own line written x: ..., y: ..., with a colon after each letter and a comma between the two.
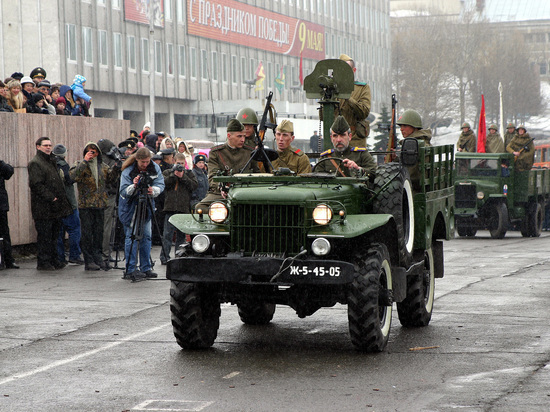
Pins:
x: 203, y: 56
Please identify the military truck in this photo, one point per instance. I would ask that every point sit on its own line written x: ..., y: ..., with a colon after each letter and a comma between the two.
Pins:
x: 491, y: 194
x: 317, y: 240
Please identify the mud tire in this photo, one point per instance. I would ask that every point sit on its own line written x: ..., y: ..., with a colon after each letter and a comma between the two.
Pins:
x: 498, y: 223
x: 531, y: 226
x: 256, y: 313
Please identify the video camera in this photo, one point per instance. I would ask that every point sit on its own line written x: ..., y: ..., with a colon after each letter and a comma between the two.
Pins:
x: 145, y: 180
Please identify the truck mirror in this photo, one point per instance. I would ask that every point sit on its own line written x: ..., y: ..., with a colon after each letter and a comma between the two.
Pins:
x: 409, y: 151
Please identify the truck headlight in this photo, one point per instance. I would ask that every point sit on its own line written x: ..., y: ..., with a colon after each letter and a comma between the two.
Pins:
x: 320, y: 246
x: 480, y: 195
x: 322, y: 214
x: 200, y: 243
x: 218, y: 212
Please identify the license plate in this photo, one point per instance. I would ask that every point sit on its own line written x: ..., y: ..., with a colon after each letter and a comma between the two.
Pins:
x: 317, y: 271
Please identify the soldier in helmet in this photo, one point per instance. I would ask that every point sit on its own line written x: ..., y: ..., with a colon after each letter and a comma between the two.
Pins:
x: 410, y: 124
x: 289, y: 156
x: 228, y: 158
x: 357, y: 160
x: 467, y: 140
x: 494, y: 142
x: 249, y: 119
x: 510, y: 133
x: 523, y: 148
x: 356, y: 109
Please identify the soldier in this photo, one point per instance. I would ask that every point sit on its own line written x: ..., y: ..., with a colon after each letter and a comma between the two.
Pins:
x: 510, y: 133
x: 467, y: 140
x: 228, y: 158
x: 494, y: 142
x: 357, y: 160
x: 289, y: 156
x: 249, y: 119
x: 410, y: 124
x: 523, y: 148
x: 356, y: 109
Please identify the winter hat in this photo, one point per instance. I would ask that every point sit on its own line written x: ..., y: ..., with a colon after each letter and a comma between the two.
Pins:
x: 26, y: 79
x: 78, y: 80
x: 60, y: 100
x: 17, y: 76
x: 200, y: 158
x: 60, y: 150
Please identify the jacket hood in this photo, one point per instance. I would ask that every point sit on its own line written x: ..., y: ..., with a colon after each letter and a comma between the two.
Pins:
x: 63, y: 90
x: 151, y: 140
x: 96, y: 147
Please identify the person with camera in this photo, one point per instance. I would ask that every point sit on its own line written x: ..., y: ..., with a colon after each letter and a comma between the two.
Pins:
x: 141, y: 181
x: 179, y: 185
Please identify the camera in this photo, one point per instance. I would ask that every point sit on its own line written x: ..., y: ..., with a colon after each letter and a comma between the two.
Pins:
x: 178, y: 168
x: 145, y: 180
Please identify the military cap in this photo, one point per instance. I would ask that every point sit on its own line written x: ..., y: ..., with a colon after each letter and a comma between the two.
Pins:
x: 199, y: 158
x: 493, y: 126
x: 340, y: 126
x: 127, y: 144
x: 161, y: 133
x: 345, y: 58
x: 234, y: 126
x: 167, y: 152
x: 133, y: 133
x: 286, y: 126
x: 133, y: 139
x: 157, y: 156
x: 522, y: 127
x: 465, y: 124
x: 38, y: 71
x: 510, y: 125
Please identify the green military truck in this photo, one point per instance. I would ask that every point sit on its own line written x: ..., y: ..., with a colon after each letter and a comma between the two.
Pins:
x: 317, y: 240
x: 491, y: 194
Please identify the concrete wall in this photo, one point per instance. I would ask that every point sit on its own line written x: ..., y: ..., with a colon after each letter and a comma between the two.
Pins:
x: 19, y: 134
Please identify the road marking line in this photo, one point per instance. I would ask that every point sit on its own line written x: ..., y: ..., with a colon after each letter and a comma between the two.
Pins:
x: 82, y: 355
x: 231, y: 375
x: 172, y: 405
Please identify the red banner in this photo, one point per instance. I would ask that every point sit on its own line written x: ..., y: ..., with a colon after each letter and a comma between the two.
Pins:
x: 482, y: 128
x: 138, y: 11
x: 234, y: 22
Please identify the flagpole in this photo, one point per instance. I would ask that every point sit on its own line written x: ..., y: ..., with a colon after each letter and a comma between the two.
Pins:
x: 152, y: 66
x: 501, y: 111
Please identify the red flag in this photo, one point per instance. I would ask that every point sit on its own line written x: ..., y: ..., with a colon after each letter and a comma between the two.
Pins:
x: 482, y: 128
x: 301, y: 76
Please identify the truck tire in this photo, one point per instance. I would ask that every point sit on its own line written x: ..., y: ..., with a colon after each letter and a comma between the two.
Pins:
x: 195, y: 314
x: 498, y: 223
x: 416, y: 309
x: 531, y: 226
x: 370, y: 301
x: 466, y: 231
x: 256, y: 313
x: 397, y: 200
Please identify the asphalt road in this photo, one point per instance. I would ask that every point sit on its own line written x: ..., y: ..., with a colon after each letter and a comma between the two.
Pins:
x: 90, y: 341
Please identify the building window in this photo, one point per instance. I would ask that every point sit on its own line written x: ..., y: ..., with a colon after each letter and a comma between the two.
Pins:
x: 234, y: 69
x: 101, y: 2
x: 214, y: 65
x: 131, y: 46
x: 158, y: 57
x: 204, y: 64
x: 168, y: 10
x: 224, y: 67
x: 116, y: 4
x: 543, y: 69
x: 145, y: 55
x: 103, y: 52
x: 170, y: 58
x: 87, y: 51
x: 71, y: 42
x: 252, y: 70
x: 180, y: 16
x: 182, y: 61
x: 117, y: 49
x: 193, y: 62
x: 243, y: 70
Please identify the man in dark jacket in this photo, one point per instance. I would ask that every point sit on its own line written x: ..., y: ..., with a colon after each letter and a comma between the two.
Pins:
x: 179, y: 184
x: 7, y: 261
x: 49, y: 203
x: 201, y: 173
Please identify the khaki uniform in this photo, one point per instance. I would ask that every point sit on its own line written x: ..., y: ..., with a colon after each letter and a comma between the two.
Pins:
x: 359, y: 155
x: 231, y: 161
x: 294, y: 159
x: 494, y: 143
x: 467, y: 141
x: 355, y: 110
x: 526, y: 158
x: 508, y: 137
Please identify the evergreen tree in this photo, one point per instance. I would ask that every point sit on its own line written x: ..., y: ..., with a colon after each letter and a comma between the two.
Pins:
x: 381, y: 139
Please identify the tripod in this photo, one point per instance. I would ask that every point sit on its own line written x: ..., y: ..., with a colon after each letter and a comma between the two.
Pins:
x: 116, y: 229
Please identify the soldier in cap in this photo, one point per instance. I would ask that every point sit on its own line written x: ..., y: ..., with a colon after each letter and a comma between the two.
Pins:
x: 523, y: 148
x: 167, y: 158
x: 510, y: 133
x: 127, y: 147
x: 356, y: 160
x: 228, y: 158
x: 356, y: 109
x: 289, y: 156
x: 38, y: 74
x: 494, y: 142
x: 201, y: 173
x: 467, y: 140
x: 410, y: 124
x: 249, y: 119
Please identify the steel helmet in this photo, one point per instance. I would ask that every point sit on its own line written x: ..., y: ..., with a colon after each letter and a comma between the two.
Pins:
x: 510, y: 126
x: 465, y: 124
x: 522, y: 127
x: 410, y: 117
x: 247, y: 116
x: 493, y: 126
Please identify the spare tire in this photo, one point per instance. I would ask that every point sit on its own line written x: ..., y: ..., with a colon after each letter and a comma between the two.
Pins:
x: 396, y: 198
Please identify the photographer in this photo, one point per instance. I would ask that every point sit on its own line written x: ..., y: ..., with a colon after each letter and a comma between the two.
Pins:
x: 141, y: 180
x: 180, y: 183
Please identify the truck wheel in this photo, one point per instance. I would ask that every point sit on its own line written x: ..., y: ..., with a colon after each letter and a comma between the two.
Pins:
x: 397, y: 199
x: 370, y: 301
x: 466, y: 231
x: 256, y: 313
x: 416, y: 309
x: 195, y: 314
x: 531, y: 226
x: 498, y: 224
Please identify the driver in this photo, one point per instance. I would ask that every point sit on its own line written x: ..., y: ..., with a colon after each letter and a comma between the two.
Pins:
x: 357, y: 161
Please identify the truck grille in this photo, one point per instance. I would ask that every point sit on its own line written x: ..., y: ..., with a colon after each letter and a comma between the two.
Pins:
x: 267, y: 228
x: 465, y: 196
